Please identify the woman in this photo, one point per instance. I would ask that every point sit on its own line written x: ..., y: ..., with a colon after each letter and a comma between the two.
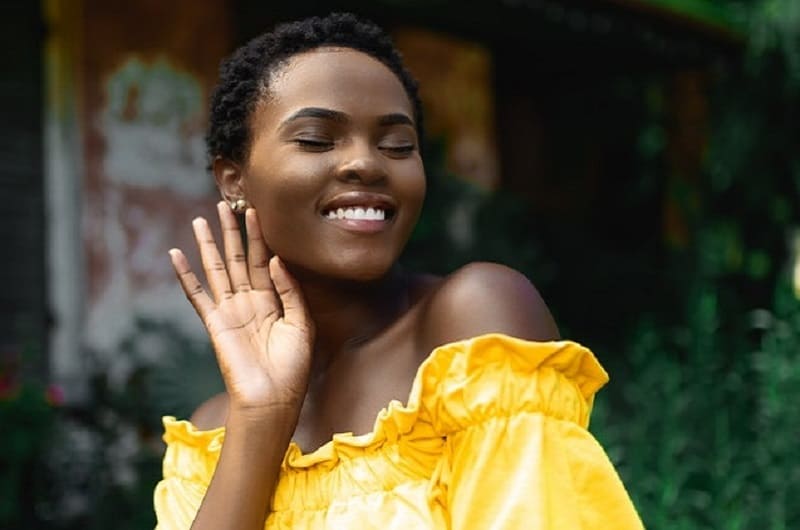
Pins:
x: 314, y: 136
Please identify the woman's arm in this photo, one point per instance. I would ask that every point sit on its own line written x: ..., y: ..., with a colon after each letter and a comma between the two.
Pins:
x: 262, y: 336
x: 515, y: 413
x: 239, y: 494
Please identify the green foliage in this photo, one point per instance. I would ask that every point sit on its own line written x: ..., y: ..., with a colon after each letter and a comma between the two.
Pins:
x: 712, y: 424
x: 702, y: 418
x: 159, y: 370
x: 26, y: 414
x: 462, y: 223
x: 712, y: 12
x: 95, y: 466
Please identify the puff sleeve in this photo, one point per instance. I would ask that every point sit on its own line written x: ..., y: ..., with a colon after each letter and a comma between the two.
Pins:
x: 188, y: 466
x: 518, y: 453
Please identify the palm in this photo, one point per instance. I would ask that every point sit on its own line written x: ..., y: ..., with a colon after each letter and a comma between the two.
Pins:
x: 257, y: 320
x: 235, y: 326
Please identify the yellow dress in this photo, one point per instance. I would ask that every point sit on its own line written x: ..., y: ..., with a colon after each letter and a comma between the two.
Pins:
x: 493, y: 437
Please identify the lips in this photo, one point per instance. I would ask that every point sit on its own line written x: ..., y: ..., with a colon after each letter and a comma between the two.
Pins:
x: 359, y: 205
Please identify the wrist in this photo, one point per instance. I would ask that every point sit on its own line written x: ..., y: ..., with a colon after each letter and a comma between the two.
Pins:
x: 273, y: 419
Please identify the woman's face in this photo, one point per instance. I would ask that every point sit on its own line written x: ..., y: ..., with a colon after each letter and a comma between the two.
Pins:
x: 334, y: 168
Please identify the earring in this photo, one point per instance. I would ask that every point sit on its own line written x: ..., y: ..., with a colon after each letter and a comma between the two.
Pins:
x: 238, y: 206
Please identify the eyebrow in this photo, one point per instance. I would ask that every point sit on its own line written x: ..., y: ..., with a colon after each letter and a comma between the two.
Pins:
x: 396, y: 118
x: 317, y: 112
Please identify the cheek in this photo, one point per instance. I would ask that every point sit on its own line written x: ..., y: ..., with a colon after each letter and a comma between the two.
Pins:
x: 285, y: 197
x: 285, y: 178
x: 412, y: 188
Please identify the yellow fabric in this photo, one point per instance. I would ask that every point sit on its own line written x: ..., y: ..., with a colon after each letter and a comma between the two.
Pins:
x: 493, y: 437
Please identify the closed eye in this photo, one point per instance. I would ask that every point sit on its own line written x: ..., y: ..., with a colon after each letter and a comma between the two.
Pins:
x: 399, y: 149
x: 313, y: 145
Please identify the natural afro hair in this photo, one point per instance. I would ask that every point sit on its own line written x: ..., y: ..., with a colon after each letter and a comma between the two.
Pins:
x: 245, y: 75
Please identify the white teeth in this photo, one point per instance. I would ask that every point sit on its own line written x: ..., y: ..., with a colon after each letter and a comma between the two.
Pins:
x: 358, y: 213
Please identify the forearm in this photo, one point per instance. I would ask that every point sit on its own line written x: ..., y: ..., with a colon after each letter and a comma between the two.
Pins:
x: 240, y: 491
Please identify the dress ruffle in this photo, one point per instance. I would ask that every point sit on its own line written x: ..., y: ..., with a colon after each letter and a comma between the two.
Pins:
x: 459, y: 385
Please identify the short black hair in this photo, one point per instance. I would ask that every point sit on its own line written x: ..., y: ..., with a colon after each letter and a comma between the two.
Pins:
x: 246, y: 73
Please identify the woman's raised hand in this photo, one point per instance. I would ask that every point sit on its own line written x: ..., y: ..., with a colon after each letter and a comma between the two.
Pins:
x: 256, y: 316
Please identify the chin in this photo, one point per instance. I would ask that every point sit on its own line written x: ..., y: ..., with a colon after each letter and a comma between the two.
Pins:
x: 360, y: 266
x: 356, y: 267
x: 362, y: 272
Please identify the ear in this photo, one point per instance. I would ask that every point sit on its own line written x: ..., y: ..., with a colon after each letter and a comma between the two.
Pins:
x: 230, y: 179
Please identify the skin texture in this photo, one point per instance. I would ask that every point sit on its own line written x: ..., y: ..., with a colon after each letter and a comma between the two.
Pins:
x: 320, y: 340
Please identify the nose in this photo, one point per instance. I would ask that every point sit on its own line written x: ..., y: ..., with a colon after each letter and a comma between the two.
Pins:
x: 361, y: 163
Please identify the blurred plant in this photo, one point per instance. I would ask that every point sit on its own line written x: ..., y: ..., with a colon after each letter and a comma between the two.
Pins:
x: 27, y: 409
x: 710, y: 436
x: 777, y: 420
x: 104, y: 457
x: 462, y: 223
x: 705, y: 420
x: 775, y: 29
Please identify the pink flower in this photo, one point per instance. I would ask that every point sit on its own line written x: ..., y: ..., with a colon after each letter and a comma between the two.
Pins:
x: 54, y: 395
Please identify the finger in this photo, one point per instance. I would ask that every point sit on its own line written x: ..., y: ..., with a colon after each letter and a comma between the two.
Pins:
x: 234, y: 253
x: 264, y: 300
x: 294, y: 307
x: 215, y: 270
x: 202, y: 303
x: 257, y: 253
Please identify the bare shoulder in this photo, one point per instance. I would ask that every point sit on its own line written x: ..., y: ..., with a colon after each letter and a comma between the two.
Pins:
x: 482, y: 298
x: 212, y: 413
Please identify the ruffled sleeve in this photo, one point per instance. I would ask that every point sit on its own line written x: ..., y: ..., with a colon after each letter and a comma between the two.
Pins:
x: 518, y: 454
x: 188, y: 466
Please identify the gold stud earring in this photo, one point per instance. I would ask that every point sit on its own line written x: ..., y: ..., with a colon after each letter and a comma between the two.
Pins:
x: 239, y: 206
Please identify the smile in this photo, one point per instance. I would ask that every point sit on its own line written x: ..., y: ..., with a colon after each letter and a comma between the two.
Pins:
x: 360, y: 211
x: 359, y: 219
x: 357, y: 213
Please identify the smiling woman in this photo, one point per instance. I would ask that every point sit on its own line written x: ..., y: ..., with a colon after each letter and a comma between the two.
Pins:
x: 335, y: 131
x: 469, y: 412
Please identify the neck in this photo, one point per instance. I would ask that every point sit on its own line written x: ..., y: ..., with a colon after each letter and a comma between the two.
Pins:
x: 349, y: 313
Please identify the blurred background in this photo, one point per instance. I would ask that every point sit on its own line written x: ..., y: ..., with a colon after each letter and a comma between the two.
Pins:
x: 637, y: 159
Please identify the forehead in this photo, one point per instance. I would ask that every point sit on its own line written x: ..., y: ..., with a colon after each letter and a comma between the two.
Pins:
x: 340, y: 79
